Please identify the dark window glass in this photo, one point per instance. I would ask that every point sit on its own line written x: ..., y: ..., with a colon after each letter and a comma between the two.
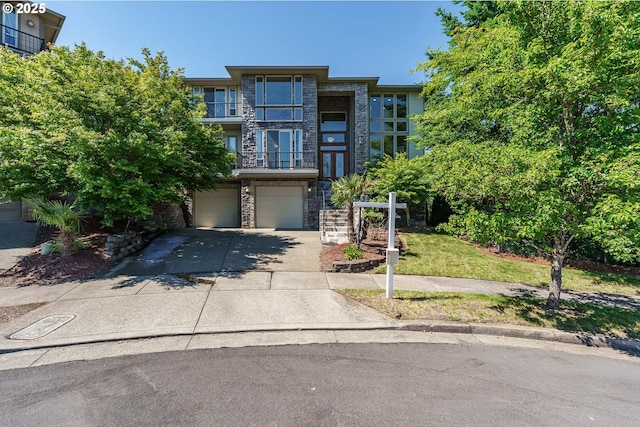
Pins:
x: 278, y: 90
x: 298, y: 91
x: 388, y: 145
x: 333, y: 122
x: 401, y: 106
x: 401, y: 126
x: 388, y: 106
x: 401, y: 144
x: 279, y: 114
x: 375, y: 147
x: 375, y: 107
x: 259, y: 91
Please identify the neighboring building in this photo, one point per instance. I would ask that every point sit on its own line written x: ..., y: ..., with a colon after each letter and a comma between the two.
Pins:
x: 29, y: 33
x: 26, y: 34
x: 294, y: 130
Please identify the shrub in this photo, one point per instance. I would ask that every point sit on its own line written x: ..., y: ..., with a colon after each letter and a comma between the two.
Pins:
x: 353, y: 253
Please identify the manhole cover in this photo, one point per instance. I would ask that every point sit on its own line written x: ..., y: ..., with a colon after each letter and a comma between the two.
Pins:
x: 42, y: 327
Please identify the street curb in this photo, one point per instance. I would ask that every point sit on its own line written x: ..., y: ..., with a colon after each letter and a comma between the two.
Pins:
x: 540, y: 334
x: 629, y: 346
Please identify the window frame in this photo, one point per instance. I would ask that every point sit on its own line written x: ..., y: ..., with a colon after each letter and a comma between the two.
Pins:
x: 9, y: 31
x: 291, y: 159
x: 384, y: 129
x: 261, y: 88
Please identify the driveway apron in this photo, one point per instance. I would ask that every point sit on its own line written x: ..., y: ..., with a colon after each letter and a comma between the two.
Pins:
x: 16, y: 240
x: 231, y: 250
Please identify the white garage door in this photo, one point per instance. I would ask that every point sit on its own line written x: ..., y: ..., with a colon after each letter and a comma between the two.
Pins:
x: 10, y: 211
x: 279, y: 207
x: 216, y: 208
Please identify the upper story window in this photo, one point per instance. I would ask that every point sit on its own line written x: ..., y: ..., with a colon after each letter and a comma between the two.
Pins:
x: 10, y: 28
x: 279, y: 90
x: 279, y: 98
x: 221, y: 102
x: 388, y: 124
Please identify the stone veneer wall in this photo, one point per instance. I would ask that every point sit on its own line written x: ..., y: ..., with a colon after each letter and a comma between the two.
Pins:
x: 309, y: 144
x: 308, y: 124
x: 360, y: 117
x: 171, y: 215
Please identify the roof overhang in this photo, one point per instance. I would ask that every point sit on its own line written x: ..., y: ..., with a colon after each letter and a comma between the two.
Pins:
x: 275, y: 173
x: 321, y: 72
x: 52, y: 24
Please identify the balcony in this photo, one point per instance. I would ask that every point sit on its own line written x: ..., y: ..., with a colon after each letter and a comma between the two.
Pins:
x: 223, y: 112
x: 20, y: 42
x: 269, y: 164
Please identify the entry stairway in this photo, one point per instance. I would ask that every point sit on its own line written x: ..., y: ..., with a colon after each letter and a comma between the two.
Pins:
x: 334, y: 226
x: 333, y: 221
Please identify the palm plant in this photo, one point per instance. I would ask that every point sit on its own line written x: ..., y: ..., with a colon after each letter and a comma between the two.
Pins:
x: 343, y: 193
x: 61, y: 215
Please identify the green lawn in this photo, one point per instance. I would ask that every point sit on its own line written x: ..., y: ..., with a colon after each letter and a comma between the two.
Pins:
x: 431, y: 254
x: 408, y: 305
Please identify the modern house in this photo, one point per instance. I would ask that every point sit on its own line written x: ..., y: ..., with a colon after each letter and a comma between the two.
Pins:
x: 26, y: 34
x: 294, y: 129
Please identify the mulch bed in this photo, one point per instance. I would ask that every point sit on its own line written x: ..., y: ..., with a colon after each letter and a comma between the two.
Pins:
x: 38, y: 269
x: 373, y: 249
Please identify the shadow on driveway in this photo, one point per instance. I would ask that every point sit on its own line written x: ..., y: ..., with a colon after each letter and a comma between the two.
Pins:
x: 16, y: 240
x: 216, y: 250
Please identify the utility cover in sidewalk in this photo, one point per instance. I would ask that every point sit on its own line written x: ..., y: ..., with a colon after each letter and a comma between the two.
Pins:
x: 42, y: 327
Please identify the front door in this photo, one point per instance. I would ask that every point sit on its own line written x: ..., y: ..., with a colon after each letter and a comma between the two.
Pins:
x: 333, y: 145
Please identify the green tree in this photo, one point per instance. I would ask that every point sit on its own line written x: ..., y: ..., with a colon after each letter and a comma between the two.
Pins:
x: 409, y: 178
x: 343, y: 192
x: 119, y: 136
x: 475, y: 13
x: 532, y: 125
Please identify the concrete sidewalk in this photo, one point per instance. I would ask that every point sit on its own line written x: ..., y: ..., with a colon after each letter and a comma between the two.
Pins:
x: 188, y: 313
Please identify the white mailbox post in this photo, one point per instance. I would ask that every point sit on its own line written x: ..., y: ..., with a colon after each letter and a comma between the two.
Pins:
x: 393, y: 254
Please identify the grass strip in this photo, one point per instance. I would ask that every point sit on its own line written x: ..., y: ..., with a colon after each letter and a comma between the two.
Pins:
x: 432, y: 254
x: 480, y: 308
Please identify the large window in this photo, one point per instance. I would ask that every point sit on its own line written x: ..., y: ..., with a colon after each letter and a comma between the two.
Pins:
x: 279, y: 148
x: 9, y: 31
x: 221, y: 102
x: 279, y: 98
x: 388, y: 124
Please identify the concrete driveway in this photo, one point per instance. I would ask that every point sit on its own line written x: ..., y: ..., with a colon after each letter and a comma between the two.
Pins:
x: 226, y: 250
x: 16, y: 240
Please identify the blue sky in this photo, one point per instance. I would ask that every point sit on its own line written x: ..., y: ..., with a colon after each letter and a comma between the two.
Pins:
x: 356, y: 39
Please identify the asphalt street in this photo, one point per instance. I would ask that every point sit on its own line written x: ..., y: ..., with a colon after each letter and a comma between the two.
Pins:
x: 329, y: 385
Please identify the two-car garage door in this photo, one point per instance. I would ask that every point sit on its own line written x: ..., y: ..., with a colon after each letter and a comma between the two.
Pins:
x: 275, y: 207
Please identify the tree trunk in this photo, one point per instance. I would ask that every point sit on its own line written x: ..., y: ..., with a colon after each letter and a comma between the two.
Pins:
x: 67, y: 238
x: 555, y: 287
x: 350, y: 225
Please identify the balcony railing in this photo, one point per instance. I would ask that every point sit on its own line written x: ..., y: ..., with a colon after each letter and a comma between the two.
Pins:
x: 21, y: 42
x: 280, y: 160
x: 223, y: 110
